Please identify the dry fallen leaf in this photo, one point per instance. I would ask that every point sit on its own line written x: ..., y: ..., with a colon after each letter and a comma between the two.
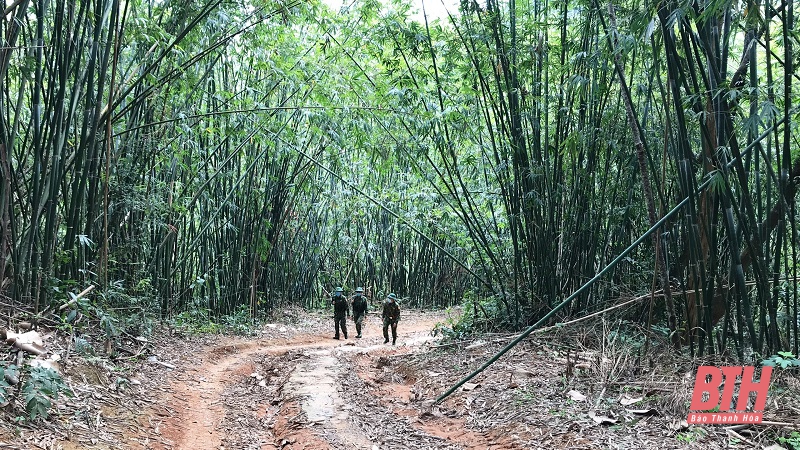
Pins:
x: 678, y: 425
x: 522, y: 373
x: 626, y: 401
x: 476, y: 345
x: 30, y: 337
x: 643, y: 412
x: 774, y: 447
x: 602, y: 420
x: 470, y: 386
x: 576, y: 396
x: 47, y: 364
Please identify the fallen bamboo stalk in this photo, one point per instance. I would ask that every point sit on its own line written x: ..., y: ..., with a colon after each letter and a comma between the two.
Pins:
x: 780, y: 424
x: 30, y: 348
x: 162, y: 363
x: 76, y: 298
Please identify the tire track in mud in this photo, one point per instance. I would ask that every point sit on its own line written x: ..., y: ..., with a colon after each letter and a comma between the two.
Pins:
x: 197, y: 399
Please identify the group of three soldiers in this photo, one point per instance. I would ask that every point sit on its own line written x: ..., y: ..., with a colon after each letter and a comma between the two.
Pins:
x: 341, y: 311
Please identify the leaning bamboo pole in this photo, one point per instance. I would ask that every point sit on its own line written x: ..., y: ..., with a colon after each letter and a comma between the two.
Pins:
x: 599, y: 274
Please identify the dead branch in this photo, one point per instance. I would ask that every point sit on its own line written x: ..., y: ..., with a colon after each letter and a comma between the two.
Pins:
x: 76, y: 298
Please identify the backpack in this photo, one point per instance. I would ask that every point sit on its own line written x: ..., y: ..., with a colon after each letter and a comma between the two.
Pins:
x: 359, y: 303
x: 339, y: 303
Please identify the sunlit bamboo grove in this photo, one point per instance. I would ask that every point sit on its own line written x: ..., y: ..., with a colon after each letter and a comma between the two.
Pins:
x: 229, y: 156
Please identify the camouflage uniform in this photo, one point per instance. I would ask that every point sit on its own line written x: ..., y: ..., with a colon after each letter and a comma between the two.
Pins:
x: 359, y: 310
x: 391, y: 315
x: 341, y: 310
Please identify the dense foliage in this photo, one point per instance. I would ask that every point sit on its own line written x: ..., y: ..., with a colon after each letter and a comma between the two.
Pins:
x: 226, y: 156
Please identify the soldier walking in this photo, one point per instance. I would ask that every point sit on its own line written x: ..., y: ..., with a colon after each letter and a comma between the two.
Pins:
x: 359, y: 309
x: 391, y: 315
x: 341, y: 310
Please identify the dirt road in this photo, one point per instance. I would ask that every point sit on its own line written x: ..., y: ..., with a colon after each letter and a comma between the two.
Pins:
x: 290, y: 386
x: 307, y: 391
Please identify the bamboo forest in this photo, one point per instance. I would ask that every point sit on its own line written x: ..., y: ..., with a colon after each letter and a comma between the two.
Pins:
x: 200, y: 169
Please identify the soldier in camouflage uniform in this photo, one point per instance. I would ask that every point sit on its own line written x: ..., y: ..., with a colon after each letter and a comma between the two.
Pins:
x: 359, y: 309
x: 391, y: 315
x: 341, y: 311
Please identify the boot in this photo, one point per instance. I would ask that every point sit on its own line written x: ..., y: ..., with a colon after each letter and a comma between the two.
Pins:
x: 394, y: 341
x: 336, y: 337
x: 358, y: 330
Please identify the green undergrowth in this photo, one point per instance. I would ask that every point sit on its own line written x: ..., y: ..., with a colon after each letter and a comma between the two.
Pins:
x: 490, y: 315
x: 783, y: 360
x: 477, y: 316
x: 99, y: 327
x: 28, y: 392
x: 199, y: 320
x: 791, y: 441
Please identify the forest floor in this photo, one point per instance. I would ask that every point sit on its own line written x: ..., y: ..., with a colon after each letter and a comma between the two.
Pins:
x: 293, y: 387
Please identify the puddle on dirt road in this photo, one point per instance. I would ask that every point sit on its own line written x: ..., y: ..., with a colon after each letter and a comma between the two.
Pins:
x: 314, y: 383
